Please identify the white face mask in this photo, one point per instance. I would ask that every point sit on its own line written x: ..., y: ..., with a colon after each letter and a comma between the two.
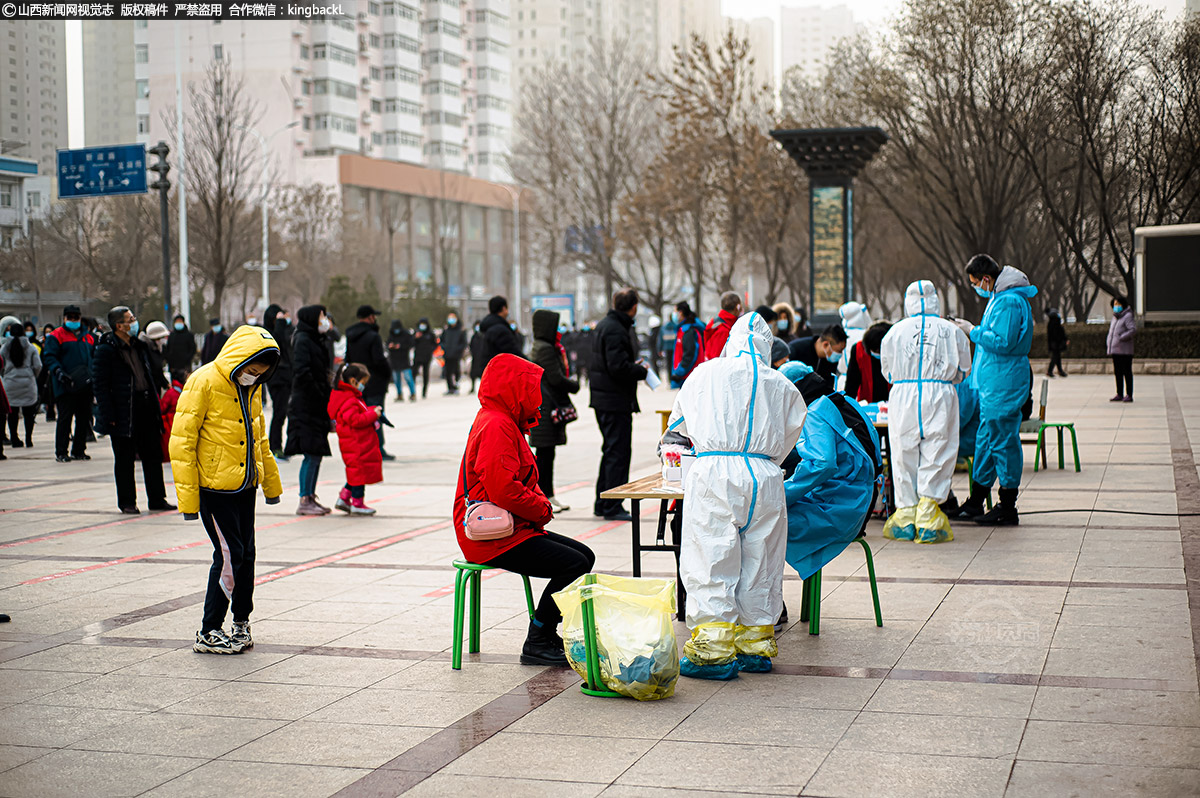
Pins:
x: 247, y: 379
x: 325, y: 324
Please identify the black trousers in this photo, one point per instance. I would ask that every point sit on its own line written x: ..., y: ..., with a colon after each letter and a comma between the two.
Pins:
x: 228, y: 519
x: 423, y: 368
x: 452, y: 371
x: 30, y: 414
x: 76, y: 407
x: 1123, y: 370
x: 549, y: 556
x: 1055, y: 363
x: 146, y: 444
x: 615, y: 453
x: 281, y: 394
x: 545, y: 465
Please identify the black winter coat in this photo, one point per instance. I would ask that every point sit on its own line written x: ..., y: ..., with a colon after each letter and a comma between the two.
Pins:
x: 308, y: 411
x: 112, y: 380
x: 498, y: 338
x: 364, y: 345
x: 557, y: 387
x: 477, y: 344
x: 213, y: 341
x: 282, y: 333
x: 615, y: 373
x: 1056, y: 334
x: 399, y: 346
x: 180, y: 350
x: 424, y: 342
x: 454, y: 341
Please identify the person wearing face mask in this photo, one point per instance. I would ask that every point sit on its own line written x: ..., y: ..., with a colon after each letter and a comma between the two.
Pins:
x: 68, y: 358
x: 45, y: 389
x: 454, y: 345
x: 21, y: 364
x: 855, y: 319
x: 478, y: 342
x: 214, y: 339
x: 399, y: 346
x: 425, y: 342
x: 356, y: 423
x: 785, y: 322
x: 181, y: 346
x: 1121, y: 331
x: 364, y: 345
x: 1003, y: 378
x: 308, y: 408
x: 499, y: 334
x: 155, y: 337
x: 278, y: 322
x: 923, y: 356
x: 499, y: 467
x: 689, y: 344
x: 220, y: 456
x: 128, y: 410
x: 864, y: 375
x: 821, y: 353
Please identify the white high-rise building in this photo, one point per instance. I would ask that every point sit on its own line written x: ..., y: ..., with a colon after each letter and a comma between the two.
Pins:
x: 33, y: 91
x: 809, y: 33
x: 760, y: 33
x: 403, y: 81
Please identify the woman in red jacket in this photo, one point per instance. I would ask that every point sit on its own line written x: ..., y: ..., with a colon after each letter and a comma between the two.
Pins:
x: 356, y: 424
x: 499, y: 467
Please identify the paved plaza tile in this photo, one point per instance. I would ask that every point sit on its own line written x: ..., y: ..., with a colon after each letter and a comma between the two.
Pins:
x: 1057, y: 658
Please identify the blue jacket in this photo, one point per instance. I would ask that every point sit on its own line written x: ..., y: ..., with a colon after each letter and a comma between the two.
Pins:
x: 829, y: 493
x: 68, y: 359
x: 1002, y: 340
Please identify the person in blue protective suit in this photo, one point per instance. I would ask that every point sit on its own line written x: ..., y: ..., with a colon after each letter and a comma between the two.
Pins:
x: 829, y: 494
x: 1003, y: 379
x: 742, y: 418
x: 923, y: 356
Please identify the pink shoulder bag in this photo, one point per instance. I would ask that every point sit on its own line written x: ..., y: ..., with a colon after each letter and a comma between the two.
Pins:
x: 484, y: 520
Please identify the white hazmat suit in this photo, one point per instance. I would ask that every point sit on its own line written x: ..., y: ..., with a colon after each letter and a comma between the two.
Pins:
x: 855, y: 321
x: 743, y: 419
x: 923, y: 357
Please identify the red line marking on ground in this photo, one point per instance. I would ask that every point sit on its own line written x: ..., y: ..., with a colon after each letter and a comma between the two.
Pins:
x: 348, y: 553
x: 84, y: 529
x: 134, y: 558
x: 574, y: 486
x: 47, y: 504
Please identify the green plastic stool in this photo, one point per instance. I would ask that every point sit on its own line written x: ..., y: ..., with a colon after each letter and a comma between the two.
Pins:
x: 810, y: 604
x: 469, y: 573
x: 1041, y: 444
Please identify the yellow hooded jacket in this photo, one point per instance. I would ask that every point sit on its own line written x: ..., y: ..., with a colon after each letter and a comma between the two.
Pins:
x: 216, y: 432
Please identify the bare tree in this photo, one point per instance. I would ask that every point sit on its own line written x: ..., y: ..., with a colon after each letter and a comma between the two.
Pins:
x: 308, y: 221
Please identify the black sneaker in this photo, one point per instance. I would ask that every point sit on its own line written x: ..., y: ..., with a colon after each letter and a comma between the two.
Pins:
x: 783, y: 619
x: 620, y: 515
x: 62, y: 458
x: 215, y: 642
x: 80, y: 457
x: 240, y: 635
x: 160, y: 506
x: 999, y: 516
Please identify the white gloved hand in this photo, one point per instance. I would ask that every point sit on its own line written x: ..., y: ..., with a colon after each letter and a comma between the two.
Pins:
x: 964, y: 325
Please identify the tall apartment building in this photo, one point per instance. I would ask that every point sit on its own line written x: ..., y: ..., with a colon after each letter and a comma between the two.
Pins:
x: 809, y: 33
x: 402, y: 81
x: 760, y: 33
x: 33, y: 91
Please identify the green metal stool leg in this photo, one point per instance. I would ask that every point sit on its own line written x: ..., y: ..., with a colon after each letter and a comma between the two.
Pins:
x: 874, y: 587
x: 814, y: 605
x: 476, y: 604
x: 528, y: 596
x: 1061, y: 465
x: 1074, y: 447
x: 594, y: 686
x: 459, y: 601
x: 1038, y: 448
x: 805, y: 597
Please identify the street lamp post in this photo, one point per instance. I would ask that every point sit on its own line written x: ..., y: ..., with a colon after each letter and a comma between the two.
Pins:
x: 265, y: 265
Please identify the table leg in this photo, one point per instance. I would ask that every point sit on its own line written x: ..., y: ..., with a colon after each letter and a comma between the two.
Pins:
x: 637, y: 536
x: 676, y: 538
x: 891, y: 488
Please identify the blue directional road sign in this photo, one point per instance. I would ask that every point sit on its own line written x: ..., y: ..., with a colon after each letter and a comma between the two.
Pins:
x: 102, y: 171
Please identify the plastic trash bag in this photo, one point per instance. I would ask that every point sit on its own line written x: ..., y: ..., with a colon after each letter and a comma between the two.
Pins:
x: 634, y: 634
x: 925, y: 523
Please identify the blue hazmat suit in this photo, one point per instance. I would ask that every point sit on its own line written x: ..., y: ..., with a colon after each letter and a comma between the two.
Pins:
x: 829, y: 494
x: 1002, y: 378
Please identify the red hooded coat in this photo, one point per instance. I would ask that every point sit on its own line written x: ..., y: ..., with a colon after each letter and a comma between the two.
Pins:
x: 498, y: 465
x: 357, y: 440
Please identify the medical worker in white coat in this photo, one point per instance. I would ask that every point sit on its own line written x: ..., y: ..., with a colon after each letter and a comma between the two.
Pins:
x: 923, y: 356
x: 743, y: 418
x: 855, y: 321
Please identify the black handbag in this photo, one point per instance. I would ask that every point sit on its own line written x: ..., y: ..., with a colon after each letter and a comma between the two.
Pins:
x: 564, y: 414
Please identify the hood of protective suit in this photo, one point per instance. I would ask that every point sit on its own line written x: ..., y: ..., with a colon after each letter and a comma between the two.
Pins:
x: 921, y: 298
x: 855, y: 316
x: 248, y: 345
x: 1015, y: 279
x: 513, y: 386
x: 750, y: 333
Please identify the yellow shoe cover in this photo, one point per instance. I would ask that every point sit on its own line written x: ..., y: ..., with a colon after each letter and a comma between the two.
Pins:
x: 711, y: 644
x: 757, y: 640
x: 932, y: 524
x: 902, y: 525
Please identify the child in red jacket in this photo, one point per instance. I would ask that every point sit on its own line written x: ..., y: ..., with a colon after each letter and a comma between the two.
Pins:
x: 356, y: 424
x: 167, y: 403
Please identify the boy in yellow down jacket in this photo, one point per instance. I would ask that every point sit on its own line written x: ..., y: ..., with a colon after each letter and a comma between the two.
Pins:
x: 219, y: 455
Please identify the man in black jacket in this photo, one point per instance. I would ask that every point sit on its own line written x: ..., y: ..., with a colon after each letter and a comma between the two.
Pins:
x: 181, y: 347
x: 214, y: 339
x: 454, y: 344
x: 278, y: 322
x: 364, y: 345
x: 614, y: 377
x: 498, y: 336
x: 821, y: 352
x: 128, y: 410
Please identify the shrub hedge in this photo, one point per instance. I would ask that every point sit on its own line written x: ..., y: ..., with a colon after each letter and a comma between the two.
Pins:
x: 1154, y: 340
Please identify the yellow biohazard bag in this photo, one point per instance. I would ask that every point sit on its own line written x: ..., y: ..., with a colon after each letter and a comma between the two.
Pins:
x: 635, y: 639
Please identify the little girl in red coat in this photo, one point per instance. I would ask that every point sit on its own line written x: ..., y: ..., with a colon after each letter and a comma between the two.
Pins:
x: 356, y: 424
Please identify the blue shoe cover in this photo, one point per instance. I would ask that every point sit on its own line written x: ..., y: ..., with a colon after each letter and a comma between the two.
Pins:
x: 907, y: 532
x: 721, y: 673
x: 753, y: 663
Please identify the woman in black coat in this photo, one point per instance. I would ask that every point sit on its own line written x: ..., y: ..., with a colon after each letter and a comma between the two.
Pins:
x: 279, y: 386
x: 557, y: 387
x: 1056, y: 342
x: 477, y: 362
x: 425, y: 341
x: 308, y: 409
